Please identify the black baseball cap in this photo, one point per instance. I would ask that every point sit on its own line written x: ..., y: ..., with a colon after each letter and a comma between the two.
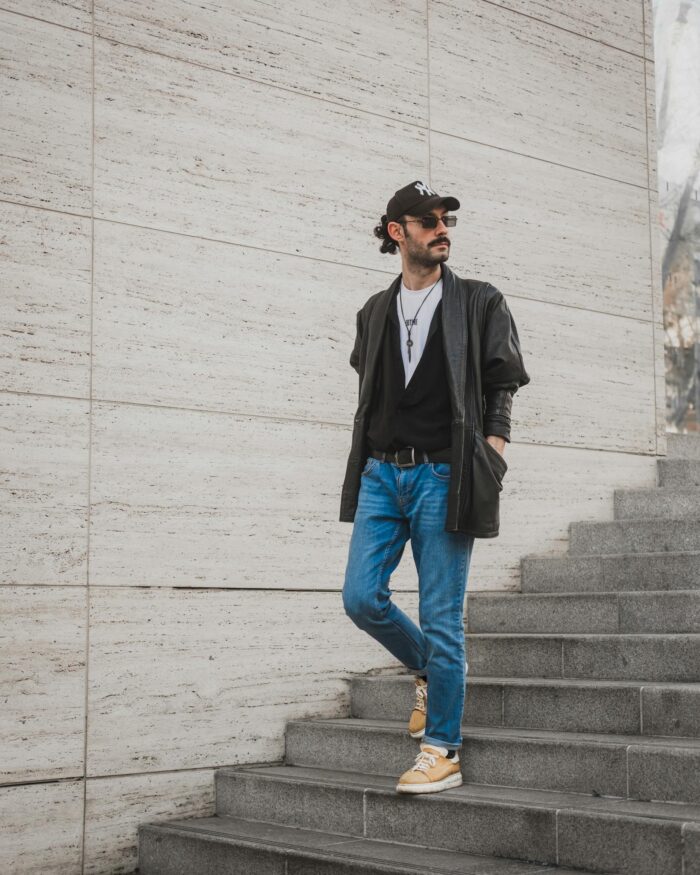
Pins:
x: 415, y: 199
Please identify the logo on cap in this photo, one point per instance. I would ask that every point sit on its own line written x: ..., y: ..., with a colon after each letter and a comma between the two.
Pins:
x: 424, y: 189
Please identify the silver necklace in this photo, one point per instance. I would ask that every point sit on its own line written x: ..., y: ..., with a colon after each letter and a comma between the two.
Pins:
x: 409, y: 342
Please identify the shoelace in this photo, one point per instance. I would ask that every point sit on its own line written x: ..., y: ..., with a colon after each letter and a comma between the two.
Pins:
x: 420, y: 698
x: 424, y: 761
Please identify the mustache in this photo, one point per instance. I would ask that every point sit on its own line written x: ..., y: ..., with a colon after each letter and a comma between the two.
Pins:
x: 438, y: 242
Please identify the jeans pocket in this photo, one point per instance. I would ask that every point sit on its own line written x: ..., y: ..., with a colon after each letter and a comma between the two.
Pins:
x: 370, y: 465
x: 440, y: 470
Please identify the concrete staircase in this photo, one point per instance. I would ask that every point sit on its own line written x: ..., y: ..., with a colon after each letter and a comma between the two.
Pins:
x: 581, y: 736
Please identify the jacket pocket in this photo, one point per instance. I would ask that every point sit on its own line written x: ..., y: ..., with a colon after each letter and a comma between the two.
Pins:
x: 499, y: 466
x: 488, y: 468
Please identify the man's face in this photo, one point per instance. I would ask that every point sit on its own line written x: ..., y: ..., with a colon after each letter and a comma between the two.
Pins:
x: 425, y: 246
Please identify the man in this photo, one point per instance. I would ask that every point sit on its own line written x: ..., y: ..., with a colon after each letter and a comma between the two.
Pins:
x: 439, y: 360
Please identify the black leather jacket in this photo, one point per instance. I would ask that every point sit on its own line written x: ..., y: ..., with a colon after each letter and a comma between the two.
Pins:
x: 484, y: 368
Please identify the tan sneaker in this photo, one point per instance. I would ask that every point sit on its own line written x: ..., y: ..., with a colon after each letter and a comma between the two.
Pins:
x: 416, y: 725
x: 432, y: 772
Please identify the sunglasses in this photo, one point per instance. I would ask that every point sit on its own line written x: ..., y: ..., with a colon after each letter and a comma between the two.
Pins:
x: 431, y: 221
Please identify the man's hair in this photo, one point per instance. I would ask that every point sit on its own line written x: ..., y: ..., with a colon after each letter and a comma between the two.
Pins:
x: 382, y: 232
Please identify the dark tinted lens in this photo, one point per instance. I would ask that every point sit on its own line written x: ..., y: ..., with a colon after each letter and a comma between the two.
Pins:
x: 430, y: 221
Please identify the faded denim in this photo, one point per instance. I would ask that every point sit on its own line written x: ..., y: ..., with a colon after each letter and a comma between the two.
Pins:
x: 395, y: 504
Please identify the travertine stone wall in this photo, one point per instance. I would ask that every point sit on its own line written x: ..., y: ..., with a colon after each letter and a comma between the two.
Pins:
x: 187, y: 194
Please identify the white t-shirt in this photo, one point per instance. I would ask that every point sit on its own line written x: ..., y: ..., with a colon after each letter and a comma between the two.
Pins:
x: 411, y: 302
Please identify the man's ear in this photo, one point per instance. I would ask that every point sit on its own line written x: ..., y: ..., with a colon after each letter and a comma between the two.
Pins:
x: 397, y: 231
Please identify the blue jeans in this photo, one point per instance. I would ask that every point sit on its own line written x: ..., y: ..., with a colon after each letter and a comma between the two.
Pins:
x: 396, y: 504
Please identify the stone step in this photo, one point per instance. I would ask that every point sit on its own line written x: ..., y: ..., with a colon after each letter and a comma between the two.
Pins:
x: 632, y: 612
x: 628, y: 707
x: 678, y: 472
x: 238, y: 846
x: 683, y: 446
x: 653, y: 768
x: 605, y: 573
x: 664, y: 502
x: 587, y: 832
x: 634, y: 536
x: 651, y: 657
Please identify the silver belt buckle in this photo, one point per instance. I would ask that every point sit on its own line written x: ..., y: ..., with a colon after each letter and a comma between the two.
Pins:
x: 407, y: 464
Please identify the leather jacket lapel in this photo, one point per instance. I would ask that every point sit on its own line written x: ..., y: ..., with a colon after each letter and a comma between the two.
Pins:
x: 375, y: 333
x: 454, y: 328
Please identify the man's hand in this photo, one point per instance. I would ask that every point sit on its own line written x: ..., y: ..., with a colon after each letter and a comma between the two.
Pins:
x: 497, y: 442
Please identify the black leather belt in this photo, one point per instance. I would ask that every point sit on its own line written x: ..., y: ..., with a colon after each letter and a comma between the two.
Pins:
x: 406, y: 457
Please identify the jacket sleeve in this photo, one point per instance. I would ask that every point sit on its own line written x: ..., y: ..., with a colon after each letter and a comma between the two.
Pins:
x: 502, y: 368
x: 355, y: 354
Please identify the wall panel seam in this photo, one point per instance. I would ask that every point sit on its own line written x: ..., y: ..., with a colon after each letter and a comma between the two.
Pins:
x: 90, y: 439
x: 388, y: 274
x: 393, y: 119
x: 496, y: 5
x: 544, y: 160
x: 568, y: 30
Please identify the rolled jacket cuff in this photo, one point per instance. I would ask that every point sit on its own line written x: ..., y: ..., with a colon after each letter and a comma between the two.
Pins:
x: 497, y: 428
x: 497, y: 409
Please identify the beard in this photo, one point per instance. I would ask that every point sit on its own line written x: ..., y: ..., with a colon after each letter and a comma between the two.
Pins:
x: 426, y: 255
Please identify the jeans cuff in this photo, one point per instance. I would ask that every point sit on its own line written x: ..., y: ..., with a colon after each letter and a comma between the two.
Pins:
x: 436, y: 742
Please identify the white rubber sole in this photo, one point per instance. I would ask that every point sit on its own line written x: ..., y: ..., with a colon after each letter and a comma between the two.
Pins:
x: 450, y: 781
x: 419, y: 734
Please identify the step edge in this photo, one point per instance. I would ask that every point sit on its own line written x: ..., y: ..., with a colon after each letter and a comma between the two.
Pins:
x: 554, y: 805
x: 557, y: 557
x: 576, y: 683
x: 689, y: 743
x: 633, y: 521
x: 609, y: 593
x: 672, y: 490
x: 316, y: 853
x: 596, y: 635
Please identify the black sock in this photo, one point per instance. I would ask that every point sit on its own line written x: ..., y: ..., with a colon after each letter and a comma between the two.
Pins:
x: 424, y: 676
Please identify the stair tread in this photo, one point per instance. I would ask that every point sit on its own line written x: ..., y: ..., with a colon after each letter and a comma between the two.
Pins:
x: 583, y: 683
x: 338, y: 846
x: 670, y: 490
x: 486, y: 793
x: 597, y: 635
x: 628, y: 554
x: 635, y: 522
x: 483, y: 594
x: 365, y: 724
